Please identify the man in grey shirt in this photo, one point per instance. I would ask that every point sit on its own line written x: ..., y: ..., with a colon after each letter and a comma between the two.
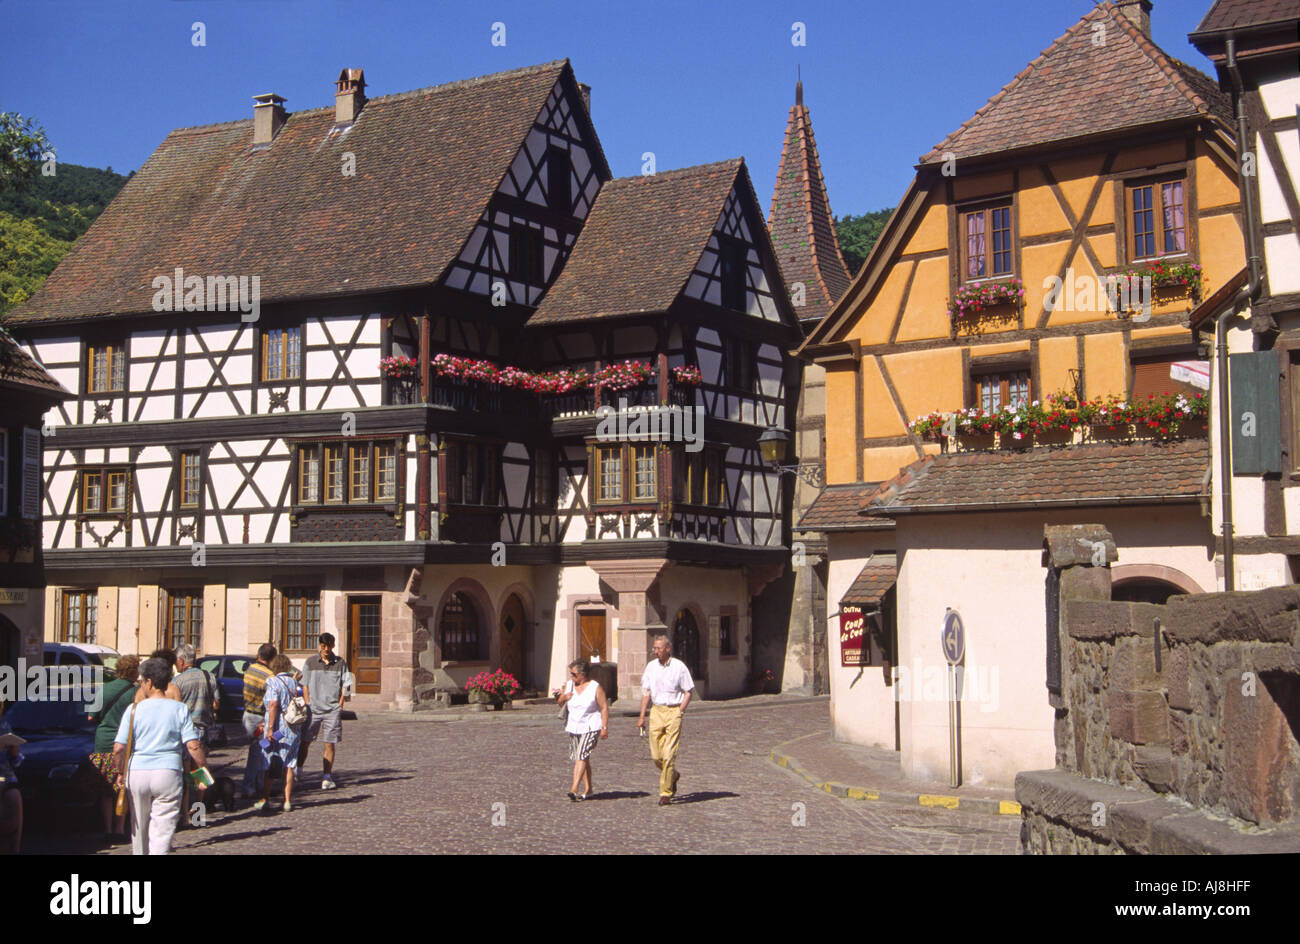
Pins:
x: 324, y: 676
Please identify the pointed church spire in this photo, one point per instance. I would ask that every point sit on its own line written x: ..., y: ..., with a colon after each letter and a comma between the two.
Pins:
x: 800, y: 221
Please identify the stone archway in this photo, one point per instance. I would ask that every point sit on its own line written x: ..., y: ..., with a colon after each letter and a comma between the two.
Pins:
x: 1149, y: 583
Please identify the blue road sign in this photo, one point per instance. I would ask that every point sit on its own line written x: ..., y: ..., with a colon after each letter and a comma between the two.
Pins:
x: 953, y: 638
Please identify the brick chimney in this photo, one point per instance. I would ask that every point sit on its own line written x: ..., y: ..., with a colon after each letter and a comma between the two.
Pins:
x: 268, y: 117
x: 350, y: 97
x: 1139, y: 11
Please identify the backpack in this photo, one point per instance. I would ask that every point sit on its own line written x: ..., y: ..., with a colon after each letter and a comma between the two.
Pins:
x: 295, y: 713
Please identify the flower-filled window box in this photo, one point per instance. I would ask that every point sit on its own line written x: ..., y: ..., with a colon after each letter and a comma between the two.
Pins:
x: 1176, y: 277
x: 973, y: 299
x: 689, y: 375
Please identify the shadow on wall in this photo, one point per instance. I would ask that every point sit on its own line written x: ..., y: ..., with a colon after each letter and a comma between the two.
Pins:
x: 770, y: 631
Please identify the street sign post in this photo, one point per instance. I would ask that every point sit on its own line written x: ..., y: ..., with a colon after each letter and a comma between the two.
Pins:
x: 952, y: 638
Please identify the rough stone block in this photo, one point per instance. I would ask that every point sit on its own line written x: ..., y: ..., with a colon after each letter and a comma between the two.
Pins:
x: 1138, y: 717
x: 1085, y: 583
x: 1178, y: 741
x: 1095, y: 620
x: 1133, y: 665
x: 1260, y: 763
x: 1271, y: 615
x: 1073, y: 545
x: 1155, y: 765
x: 1177, y: 677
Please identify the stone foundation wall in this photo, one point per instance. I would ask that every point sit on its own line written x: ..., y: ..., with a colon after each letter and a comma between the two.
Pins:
x: 1190, y: 709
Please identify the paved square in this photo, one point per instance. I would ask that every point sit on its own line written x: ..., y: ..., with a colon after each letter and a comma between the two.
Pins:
x: 433, y: 787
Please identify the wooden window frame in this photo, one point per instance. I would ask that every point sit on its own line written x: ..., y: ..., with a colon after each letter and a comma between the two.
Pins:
x: 105, y: 475
x: 473, y: 473
x: 544, y: 477
x: 334, y: 491
x: 1002, y: 369
x: 741, y: 357
x: 384, y: 487
x: 1159, y: 232
x: 181, y: 491
x: 695, y: 473
x: 307, y: 457
x: 336, y: 466
x: 459, y: 651
x: 634, y: 453
x: 986, y: 209
x: 309, y: 597
x: 193, y: 598
x: 115, y: 374
x: 286, y: 333
x: 89, y: 602
x: 361, y: 459
x: 601, y: 497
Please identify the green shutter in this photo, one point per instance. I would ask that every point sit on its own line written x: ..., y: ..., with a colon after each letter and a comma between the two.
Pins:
x: 1256, y: 413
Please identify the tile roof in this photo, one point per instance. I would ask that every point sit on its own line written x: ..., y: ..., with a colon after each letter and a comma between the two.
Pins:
x: 872, y: 582
x: 1097, y: 474
x: 1077, y: 87
x: 427, y: 163
x: 839, y: 507
x: 20, y: 369
x: 800, y: 221
x: 1234, y: 14
x: 640, y: 243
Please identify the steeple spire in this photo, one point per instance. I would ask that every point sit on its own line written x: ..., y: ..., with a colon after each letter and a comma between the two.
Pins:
x: 800, y: 221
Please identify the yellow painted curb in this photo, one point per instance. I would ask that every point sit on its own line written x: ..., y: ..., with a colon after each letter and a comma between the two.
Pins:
x: 856, y: 794
x: 1008, y: 808
x: 937, y: 799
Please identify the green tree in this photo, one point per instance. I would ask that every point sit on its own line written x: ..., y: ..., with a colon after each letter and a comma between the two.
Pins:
x: 22, y: 144
x: 857, y: 234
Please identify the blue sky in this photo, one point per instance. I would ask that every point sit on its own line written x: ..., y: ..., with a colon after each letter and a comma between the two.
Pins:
x: 691, y: 81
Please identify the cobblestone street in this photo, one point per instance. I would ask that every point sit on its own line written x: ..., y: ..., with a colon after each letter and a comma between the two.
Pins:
x: 415, y: 786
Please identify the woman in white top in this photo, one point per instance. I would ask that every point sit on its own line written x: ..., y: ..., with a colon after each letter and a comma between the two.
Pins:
x: 588, y: 720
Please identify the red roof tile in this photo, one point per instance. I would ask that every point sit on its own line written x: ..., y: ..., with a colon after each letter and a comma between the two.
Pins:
x: 1235, y: 14
x: 426, y: 165
x: 838, y: 507
x: 1078, y: 87
x: 800, y: 221
x: 640, y: 243
x: 1098, y: 474
x: 872, y: 582
x: 20, y: 369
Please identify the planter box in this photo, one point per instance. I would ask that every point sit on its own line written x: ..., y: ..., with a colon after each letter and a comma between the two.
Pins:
x: 970, y: 442
x: 1054, y: 437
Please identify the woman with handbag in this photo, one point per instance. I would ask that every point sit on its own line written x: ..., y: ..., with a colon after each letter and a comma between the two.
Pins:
x: 587, y: 721
x: 285, y: 713
x: 153, y: 736
x: 118, y: 696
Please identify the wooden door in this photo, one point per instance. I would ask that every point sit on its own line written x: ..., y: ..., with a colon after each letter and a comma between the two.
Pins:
x: 364, y: 643
x: 686, y: 643
x: 591, y: 636
x: 511, y: 638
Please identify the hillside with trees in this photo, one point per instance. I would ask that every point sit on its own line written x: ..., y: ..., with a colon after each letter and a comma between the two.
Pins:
x: 857, y: 234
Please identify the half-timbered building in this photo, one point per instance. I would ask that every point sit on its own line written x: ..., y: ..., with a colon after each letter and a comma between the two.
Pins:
x: 435, y: 384
x: 998, y: 309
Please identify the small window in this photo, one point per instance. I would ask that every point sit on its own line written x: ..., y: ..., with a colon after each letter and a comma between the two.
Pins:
x: 309, y: 470
x: 713, y: 477
x: 359, y: 488
x: 103, y: 491
x: 644, y: 473
x: 281, y: 354
x: 106, y: 371
x: 559, y: 185
x: 698, y: 478
x: 526, y: 254
x: 79, y: 616
x: 543, y: 477
x: 986, y: 242
x: 334, y: 473
x: 459, y: 631
x: 385, y: 472
x: 299, y: 619
x: 185, y: 618
x: 731, y: 256
x: 726, y: 635
x: 993, y: 391
x: 609, y: 478
x: 1157, y: 219
x: 740, y: 364
x: 472, y: 472
x: 190, y: 478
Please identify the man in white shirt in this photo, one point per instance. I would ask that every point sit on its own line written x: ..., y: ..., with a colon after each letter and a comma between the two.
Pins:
x: 667, y: 683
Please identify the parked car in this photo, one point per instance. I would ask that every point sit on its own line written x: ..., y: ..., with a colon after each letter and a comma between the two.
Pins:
x: 56, y: 773
x: 81, y: 653
x: 229, y: 671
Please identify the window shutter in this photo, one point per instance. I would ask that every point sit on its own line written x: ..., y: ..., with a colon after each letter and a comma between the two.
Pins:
x: 1152, y: 377
x: 31, y: 473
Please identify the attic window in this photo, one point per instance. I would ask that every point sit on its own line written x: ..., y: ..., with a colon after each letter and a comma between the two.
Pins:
x: 731, y: 256
x: 526, y: 254
x: 559, y: 185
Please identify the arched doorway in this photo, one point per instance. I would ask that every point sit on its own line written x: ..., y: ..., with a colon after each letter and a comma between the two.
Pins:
x: 686, y: 642
x: 510, y: 637
x: 459, y: 638
x: 1145, y: 590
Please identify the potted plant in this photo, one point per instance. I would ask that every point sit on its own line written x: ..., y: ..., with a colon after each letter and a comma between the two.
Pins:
x: 495, y: 688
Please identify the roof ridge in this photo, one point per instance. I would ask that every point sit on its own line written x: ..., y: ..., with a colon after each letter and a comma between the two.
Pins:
x: 729, y: 163
x: 1161, y: 58
x: 393, y: 96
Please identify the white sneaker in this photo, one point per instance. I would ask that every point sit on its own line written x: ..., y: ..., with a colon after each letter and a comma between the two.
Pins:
x: 328, y: 784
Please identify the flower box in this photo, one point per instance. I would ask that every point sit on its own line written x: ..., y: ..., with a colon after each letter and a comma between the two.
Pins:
x: 973, y: 300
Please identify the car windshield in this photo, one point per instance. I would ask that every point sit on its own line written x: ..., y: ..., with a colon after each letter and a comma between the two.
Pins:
x: 49, y: 717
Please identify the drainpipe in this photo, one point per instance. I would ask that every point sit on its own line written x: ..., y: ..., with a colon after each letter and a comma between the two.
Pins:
x: 1243, y: 299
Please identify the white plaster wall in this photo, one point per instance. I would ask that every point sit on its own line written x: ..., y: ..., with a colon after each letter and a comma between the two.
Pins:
x: 706, y: 591
x: 989, y: 568
x: 576, y: 583
x: 862, y: 705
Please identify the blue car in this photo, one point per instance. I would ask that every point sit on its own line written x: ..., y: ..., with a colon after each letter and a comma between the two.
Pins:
x: 56, y: 771
x: 229, y: 671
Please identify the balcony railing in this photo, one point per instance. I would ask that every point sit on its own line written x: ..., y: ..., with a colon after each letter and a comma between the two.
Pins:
x: 476, y: 396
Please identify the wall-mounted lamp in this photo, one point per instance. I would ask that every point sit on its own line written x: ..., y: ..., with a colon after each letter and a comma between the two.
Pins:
x: 773, y: 444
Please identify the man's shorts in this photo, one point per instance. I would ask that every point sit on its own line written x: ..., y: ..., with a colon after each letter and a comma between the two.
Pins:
x: 326, y: 726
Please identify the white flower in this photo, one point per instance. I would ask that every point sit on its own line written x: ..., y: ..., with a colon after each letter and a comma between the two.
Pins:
x: 1020, y: 435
